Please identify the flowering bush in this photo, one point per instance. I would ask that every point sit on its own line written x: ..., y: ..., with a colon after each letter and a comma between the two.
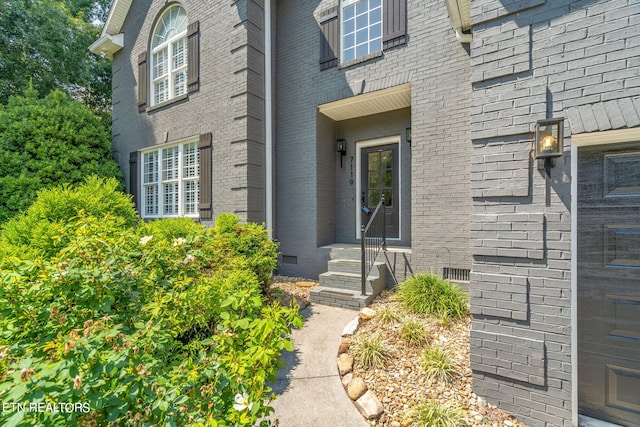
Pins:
x: 120, y: 327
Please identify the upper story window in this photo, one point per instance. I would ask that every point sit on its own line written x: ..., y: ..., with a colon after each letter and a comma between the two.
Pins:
x: 361, y: 28
x: 169, y: 56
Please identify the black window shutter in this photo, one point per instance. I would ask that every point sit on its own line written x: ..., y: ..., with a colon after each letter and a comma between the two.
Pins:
x: 193, y: 53
x: 205, y: 146
x: 329, y: 38
x: 394, y: 20
x: 143, y: 85
x: 134, y: 174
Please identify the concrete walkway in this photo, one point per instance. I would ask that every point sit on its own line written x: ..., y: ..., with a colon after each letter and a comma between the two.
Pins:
x: 310, y: 390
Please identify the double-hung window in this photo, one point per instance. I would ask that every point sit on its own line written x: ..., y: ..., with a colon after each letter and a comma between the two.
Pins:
x: 361, y: 28
x: 169, y: 56
x: 171, y: 181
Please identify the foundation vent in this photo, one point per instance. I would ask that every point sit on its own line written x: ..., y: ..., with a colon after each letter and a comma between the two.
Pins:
x: 456, y: 274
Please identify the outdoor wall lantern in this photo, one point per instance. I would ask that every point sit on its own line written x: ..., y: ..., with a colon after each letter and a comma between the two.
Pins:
x: 341, y: 147
x: 549, y: 146
x: 408, y: 135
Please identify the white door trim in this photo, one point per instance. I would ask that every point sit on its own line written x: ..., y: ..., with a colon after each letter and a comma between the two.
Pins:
x: 374, y: 143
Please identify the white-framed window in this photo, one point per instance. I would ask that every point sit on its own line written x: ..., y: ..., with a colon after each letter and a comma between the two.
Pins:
x: 171, y: 181
x: 361, y: 28
x: 169, y: 56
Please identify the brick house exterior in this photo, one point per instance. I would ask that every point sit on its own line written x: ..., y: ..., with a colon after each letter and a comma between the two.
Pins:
x: 452, y: 94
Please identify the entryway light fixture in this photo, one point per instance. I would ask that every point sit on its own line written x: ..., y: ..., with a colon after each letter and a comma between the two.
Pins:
x: 341, y: 147
x: 549, y: 146
x: 408, y: 135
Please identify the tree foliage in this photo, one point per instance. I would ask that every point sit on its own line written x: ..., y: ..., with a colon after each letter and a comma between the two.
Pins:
x: 45, y: 43
x: 47, y: 142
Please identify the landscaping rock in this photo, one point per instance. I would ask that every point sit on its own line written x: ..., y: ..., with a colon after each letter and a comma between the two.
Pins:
x: 345, y: 364
x: 347, y: 379
x: 351, y: 327
x: 369, y: 405
x: 367, y: 313
x: 344, y: 345
x: 356, y: 388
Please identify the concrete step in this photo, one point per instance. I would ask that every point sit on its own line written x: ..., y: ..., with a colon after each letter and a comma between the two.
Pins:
x: 345, y: 266
x: 341, y: 281
x: 344, y: 298
x: 347, y: 253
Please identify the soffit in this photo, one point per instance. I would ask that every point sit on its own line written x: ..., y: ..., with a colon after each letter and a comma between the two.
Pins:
x: 381, y: 101
x: 117, y: 15
x: 459, y: 13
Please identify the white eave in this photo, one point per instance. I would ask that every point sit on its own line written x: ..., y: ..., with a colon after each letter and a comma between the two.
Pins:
x: 107, y: 45
x: 460, y: 16
x: 112, y: 38
x: 376, y: 102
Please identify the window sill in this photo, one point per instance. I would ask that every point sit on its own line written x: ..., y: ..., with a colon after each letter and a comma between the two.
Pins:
x: 165, y: 104
x: 360, y: 60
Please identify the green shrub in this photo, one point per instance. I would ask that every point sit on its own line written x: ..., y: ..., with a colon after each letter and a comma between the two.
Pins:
x: 110, y: 323
x: 370, y: 351
x: 40, y: 230
x: 430, y: 413
x: 172, y: 229
x: 431, y: 294
x: 413, y: 332
x: 438, y: 364
x: 49, y: 142
x: 247, y: 244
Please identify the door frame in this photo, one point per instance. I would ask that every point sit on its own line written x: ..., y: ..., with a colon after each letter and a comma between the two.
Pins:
x: 577, y: 141
x: 360, y: 145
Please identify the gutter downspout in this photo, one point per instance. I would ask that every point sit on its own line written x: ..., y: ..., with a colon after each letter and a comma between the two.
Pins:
x: 269, y: 166
x: 463, y: 37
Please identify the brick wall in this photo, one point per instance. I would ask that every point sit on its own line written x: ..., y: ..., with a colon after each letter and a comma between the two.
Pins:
x: 229, y: 104
x: 437, y: 67
x: 532, y: 60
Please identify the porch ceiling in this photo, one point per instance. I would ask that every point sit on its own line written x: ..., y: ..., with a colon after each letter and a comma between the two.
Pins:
x: 380, y: 101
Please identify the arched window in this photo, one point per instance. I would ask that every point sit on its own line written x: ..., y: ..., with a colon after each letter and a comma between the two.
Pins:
x: 169, y: 56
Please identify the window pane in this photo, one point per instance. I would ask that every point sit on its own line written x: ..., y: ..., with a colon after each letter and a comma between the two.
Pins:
x: 349, y: 41
x: 362, y: 21
x: 191, y: 189
x: 375, y: 3
x: 190, y: 161
x: 362, y: 50
x: 375, y: 31
x: 349, y: 54
x: 170, y: 202
x: 374, y: 161
x: 349, y: 26
x: 180, y: 83
x: 160, y: 91
x: 160, y: 65
x: 362, y: 36
x: 362, y: 7
x: 374, y: 198
x: 150, y: 171
x: 348, y: 12
x: 376, y: 16
x: 151, y: 199
x: 180, y: 53
x: 170, y: 163
x: 374, y: 181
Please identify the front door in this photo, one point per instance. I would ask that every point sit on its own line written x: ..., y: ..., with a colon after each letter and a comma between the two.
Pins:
x: 380, y: 176
x: 609, y: 283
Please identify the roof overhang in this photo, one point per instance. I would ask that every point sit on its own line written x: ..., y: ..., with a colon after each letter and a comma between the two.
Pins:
x: 112, y: 38
x: 381, y: 101
x: 107, y: 45
x: 460, y: 16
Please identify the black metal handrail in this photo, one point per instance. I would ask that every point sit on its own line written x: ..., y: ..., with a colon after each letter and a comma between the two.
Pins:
x: 373, y: 239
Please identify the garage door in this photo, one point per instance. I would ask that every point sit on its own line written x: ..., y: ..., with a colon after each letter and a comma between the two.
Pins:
x: 609, y: 282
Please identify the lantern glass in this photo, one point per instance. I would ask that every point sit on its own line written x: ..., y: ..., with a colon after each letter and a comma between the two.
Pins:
x: 549, y: 138
x: 341, y: 146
